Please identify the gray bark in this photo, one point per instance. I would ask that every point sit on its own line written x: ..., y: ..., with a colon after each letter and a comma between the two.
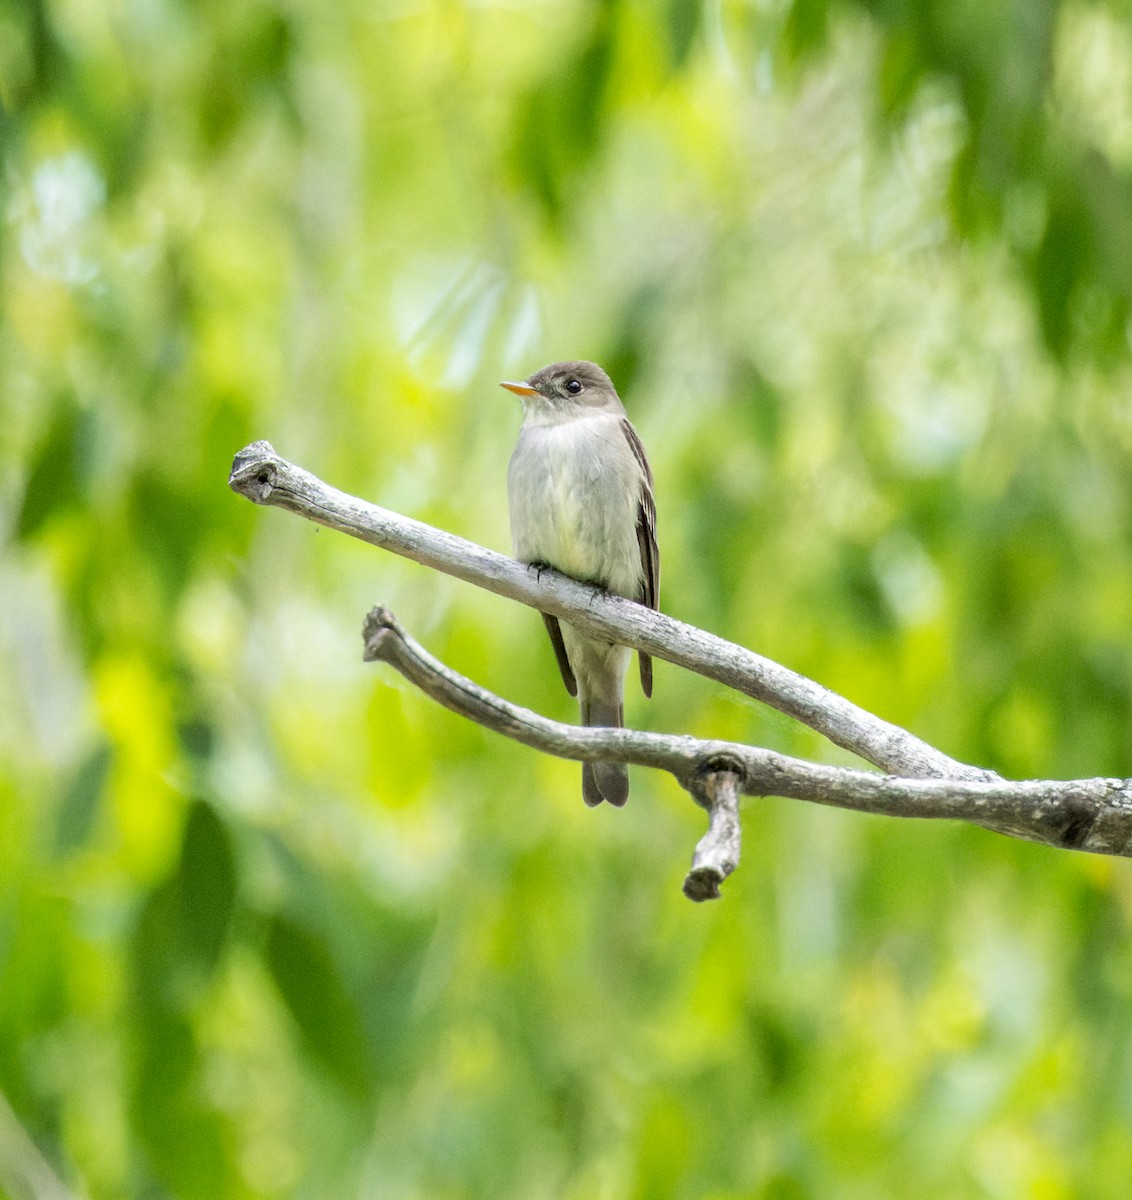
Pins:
x: 918, y: 781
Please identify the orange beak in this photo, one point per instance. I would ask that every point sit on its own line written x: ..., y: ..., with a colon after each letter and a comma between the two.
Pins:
x: 520, y: 389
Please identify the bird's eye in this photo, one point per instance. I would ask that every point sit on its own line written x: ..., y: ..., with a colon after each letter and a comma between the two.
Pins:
x: 573, y: 386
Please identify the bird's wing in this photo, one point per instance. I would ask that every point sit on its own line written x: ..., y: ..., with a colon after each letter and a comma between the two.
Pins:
x: 646, y: 540
x: 555, y: 631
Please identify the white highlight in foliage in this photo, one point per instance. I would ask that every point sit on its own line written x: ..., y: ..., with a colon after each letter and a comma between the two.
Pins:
x: 907, y: 577
x: 52, y: 214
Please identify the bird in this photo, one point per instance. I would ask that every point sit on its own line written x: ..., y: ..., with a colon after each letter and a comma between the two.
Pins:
x: 580, y: 499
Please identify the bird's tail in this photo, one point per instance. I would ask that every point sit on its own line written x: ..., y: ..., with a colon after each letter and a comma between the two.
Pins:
x: 604, y: 780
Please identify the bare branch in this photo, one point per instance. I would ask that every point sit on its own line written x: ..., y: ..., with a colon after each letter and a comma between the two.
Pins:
x: 717, y: 789
x: 1083, y: 814
x: 260, y: 475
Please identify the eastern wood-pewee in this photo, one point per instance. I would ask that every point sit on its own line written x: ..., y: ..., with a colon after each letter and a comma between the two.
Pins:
x: 581, y: 501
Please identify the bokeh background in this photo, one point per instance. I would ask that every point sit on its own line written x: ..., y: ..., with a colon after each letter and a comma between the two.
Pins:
x: 272, y: 924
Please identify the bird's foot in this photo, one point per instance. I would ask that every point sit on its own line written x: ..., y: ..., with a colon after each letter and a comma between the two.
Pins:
x: 600, y: 592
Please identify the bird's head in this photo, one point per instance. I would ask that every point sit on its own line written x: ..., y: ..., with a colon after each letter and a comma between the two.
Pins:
x: 567, y: 389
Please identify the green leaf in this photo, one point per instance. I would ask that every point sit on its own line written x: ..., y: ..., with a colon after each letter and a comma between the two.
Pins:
x: 1058, y: 264
x: 562, y: 120
x: 78, y: 809
x: 184, y: 1140
x: 207, y: 879
x: 313, y: 990
x: 807, y: 27
x: 682, y: 18
x: 901, y: 72
x: 56, y: 480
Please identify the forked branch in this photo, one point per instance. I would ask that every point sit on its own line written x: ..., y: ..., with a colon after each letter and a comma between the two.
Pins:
x: 1088, y: 814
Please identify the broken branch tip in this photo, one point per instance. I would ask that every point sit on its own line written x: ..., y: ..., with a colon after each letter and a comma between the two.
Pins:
x: 253, y: 472
x: 379, y: 629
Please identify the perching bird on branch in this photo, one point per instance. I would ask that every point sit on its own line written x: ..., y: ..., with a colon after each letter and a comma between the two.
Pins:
x: 581, y: 501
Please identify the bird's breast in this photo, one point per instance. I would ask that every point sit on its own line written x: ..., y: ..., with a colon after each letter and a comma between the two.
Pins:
x: 573, y: 491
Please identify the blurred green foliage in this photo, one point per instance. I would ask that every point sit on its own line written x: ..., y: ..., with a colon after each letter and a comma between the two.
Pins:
x: 271, y: 924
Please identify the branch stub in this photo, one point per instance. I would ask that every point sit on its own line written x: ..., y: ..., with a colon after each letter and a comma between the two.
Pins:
x: 253, y: 472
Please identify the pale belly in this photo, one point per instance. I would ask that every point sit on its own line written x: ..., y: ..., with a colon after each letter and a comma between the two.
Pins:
x: 574, y: 493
